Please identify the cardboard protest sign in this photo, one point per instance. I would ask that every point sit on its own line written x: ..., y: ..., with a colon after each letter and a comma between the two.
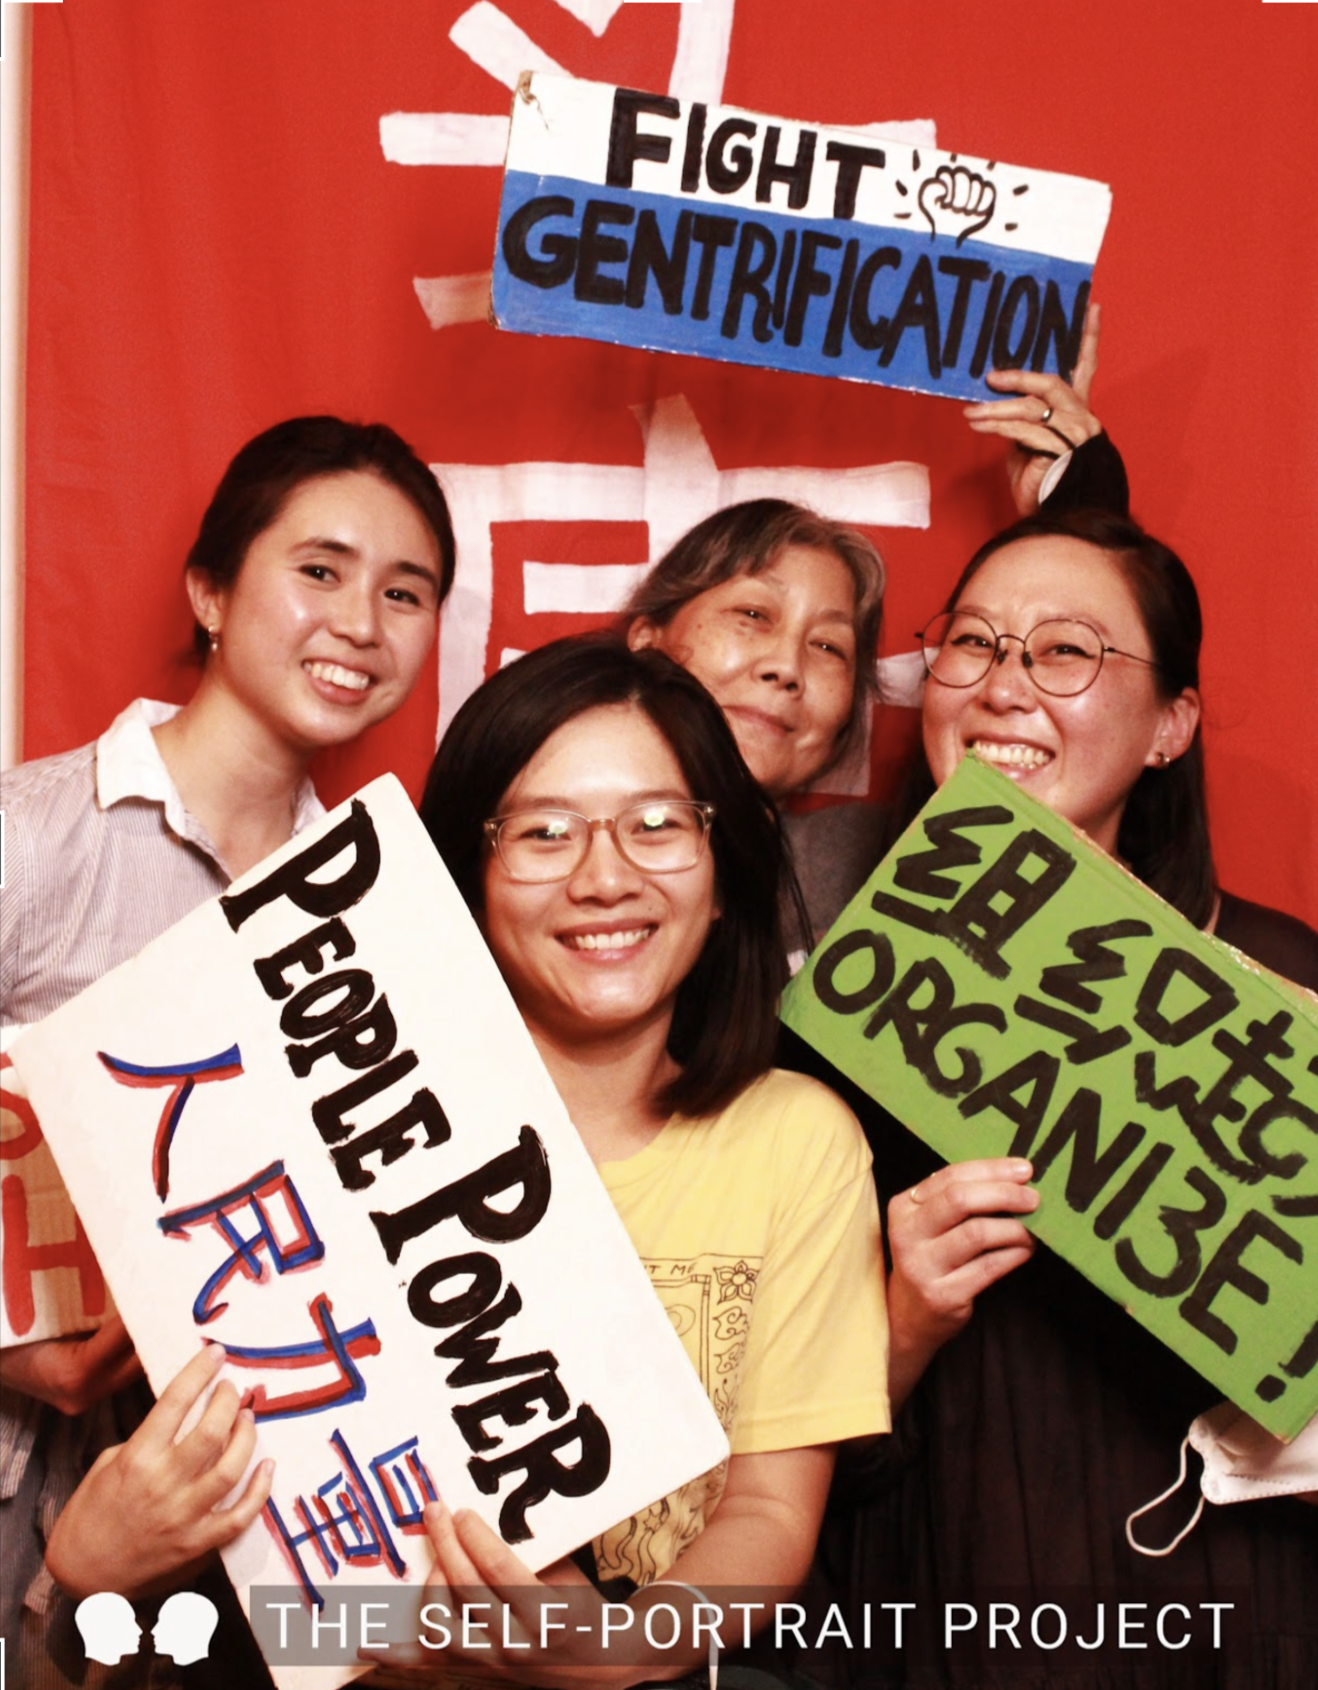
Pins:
x: 50, y: 1282
x: 1004, y: 988
x: 309, y: 1123
x: 684, y: 227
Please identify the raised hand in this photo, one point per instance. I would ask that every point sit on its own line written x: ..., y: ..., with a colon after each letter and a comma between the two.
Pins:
x: 1046, y: 417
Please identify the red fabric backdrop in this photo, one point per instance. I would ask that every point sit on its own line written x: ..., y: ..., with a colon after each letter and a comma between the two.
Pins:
x: 219, y: 240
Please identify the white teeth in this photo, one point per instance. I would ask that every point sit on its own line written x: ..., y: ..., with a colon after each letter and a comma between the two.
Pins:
x: 607, y: 941
x: 1012, y: 756
x: 338, y: 676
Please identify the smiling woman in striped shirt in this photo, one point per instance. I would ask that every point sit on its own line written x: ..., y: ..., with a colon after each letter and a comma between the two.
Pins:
x: 315, y: 580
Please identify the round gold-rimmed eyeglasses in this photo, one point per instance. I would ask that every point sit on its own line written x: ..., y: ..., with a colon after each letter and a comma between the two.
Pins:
x: 1062, y: 656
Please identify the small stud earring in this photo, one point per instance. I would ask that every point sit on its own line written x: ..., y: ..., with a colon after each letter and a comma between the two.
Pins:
x: 1163, y: 758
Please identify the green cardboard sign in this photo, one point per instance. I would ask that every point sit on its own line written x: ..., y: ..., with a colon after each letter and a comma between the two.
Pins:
x: 1004, y: 988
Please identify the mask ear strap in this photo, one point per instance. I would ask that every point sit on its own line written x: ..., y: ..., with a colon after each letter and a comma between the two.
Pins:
x: 1171, y: 1490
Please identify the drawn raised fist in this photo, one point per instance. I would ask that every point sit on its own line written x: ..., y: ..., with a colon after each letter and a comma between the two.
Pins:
x: 956, y: 201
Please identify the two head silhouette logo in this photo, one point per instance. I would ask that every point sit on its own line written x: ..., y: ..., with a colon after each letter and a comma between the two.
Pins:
x: 182, y: 1631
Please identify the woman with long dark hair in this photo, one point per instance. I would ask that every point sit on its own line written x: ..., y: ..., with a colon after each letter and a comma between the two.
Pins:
x: 635, y: 921
x: 569, y: 800
x: 315, y: 582
x: 1037, y: 1415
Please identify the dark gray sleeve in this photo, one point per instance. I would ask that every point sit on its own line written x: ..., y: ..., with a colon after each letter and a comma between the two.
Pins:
x: 1095, y: 479
x: 834, y: 851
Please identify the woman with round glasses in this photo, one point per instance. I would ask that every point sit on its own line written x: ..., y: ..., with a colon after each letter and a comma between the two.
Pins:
x: 1068, y: 656
x: 1036, y: 1414
x: 592, y: 807
x: 1069, y: 659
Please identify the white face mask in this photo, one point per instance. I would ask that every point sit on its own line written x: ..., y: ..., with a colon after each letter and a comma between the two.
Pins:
x: 1241, y: 1463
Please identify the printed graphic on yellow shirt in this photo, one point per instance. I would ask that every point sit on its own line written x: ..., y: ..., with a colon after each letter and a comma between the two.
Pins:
x: 708, y: 1299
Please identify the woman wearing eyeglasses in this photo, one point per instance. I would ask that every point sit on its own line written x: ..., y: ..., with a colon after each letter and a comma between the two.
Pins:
x: 1037, y: 1415
x: 593, y: 809
x: 592, y: 806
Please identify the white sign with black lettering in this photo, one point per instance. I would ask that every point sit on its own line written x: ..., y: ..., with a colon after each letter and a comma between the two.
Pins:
x: 308, y: 1122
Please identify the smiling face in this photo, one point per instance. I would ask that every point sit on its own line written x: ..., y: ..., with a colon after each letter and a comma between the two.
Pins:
x: 325, y: 629
x: 778, y: 652
x: 1082, y: 755
x: 603, y: 953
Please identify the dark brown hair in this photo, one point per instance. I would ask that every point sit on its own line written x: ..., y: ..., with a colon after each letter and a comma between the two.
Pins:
x: 1164, y: 827
x: 726, y: 1018
x: 263, y: 473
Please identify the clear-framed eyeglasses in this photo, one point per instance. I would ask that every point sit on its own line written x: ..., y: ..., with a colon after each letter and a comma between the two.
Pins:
x: 1062, y: 657
x: 661, y: 836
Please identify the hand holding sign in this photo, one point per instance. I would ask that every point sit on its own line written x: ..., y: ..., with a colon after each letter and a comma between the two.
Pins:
x: 951, y: 1236
x: 483, y: 1607
x: 336, y: 1278
x: 164, y: 1489
x: 548, y: 1631
x: 1035, y: 444
x: 553, y: 1631
x: 957, y: 201
x: 73, y: 1373
x: 648, y: 221
x: 1001, y: 985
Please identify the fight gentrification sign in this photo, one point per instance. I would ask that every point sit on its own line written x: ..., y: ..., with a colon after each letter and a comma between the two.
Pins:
x: 680, y: 226
x: 1004, y: 988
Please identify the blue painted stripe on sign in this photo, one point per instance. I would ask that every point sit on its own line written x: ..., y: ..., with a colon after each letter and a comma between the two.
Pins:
x: 902, y: 307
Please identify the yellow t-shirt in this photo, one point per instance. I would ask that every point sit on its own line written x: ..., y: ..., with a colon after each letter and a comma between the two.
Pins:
x: 759, y: 1229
